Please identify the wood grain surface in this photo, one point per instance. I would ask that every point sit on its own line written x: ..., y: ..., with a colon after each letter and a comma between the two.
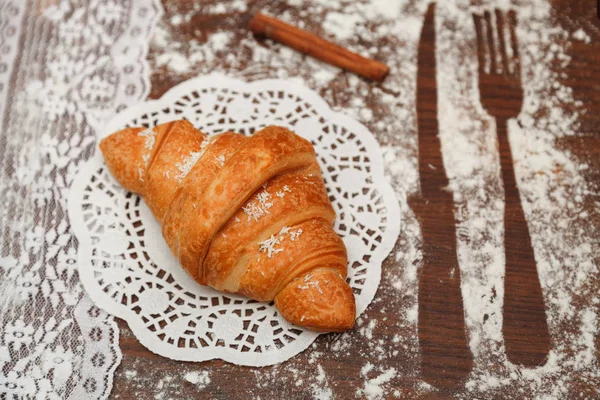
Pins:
x: 446, y: 360
x: 344, y: 373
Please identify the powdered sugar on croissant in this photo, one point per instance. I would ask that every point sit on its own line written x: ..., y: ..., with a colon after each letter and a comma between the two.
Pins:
x: 247, y: 215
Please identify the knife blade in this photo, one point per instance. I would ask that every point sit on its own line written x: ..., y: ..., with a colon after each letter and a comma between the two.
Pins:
x: 445, y: 357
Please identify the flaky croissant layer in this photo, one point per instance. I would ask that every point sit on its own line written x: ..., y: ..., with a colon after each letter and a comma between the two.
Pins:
x: 247, y: 215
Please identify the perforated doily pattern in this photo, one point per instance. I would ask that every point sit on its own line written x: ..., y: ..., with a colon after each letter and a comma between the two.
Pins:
x: 129, y: 271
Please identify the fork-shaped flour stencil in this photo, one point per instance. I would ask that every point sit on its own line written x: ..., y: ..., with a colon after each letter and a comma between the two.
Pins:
x: 525, y: 328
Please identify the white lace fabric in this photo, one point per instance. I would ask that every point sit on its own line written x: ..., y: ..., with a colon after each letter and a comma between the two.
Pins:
x: 128, y: 270
x: 66, y: 67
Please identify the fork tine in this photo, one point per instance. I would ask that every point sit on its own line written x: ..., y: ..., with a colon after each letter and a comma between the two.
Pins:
x: 512, y: 27
x: 501, y: 42
x: 480, y: 43
x: 490, y: 40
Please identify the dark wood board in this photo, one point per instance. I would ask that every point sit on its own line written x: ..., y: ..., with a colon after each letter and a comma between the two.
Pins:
x: 228, y: 381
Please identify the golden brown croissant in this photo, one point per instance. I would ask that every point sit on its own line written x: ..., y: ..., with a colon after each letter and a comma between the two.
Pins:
x: 247, y: 215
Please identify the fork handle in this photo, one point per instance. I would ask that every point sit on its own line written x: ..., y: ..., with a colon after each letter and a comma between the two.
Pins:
x: 525, y: 328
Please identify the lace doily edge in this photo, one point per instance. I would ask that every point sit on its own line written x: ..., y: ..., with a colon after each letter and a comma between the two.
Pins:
x: 261, y: 359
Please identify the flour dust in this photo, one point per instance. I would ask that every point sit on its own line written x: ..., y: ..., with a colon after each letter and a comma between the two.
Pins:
x: 550, y: 180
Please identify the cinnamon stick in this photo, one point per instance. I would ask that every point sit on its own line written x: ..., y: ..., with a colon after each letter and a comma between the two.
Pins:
x: 314, y: 46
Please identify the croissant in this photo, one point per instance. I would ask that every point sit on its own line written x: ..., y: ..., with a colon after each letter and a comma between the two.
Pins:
x: 247, y: 215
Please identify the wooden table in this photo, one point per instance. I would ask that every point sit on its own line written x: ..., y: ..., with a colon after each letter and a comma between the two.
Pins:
x: 143, y: 374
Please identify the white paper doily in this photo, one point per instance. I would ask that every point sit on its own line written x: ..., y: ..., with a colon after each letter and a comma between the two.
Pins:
x: 128, y: 270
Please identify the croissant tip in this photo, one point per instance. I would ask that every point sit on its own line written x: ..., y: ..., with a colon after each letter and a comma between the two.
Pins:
x: 122, y: 154
x: 320, y: 301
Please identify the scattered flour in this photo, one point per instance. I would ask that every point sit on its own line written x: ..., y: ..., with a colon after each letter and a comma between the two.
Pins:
x: 176, y: 19
x: 367, y: 330
x: 552, y: 191
x: 320, y: 389
x: 149, y: 139
x: 550, y: 180
x: 373, y: 388
x: 199, y: 378
x: 221, y: 160
x: 268, y: 245
x: 220, y: 40
x: 258, y: 207
x: 144, y: 381
x: 130, y: 374
x: 175, y: 61
x: 580, y: 34
x: 366, y: 369
x: 182, y: 58
x: 281, y: 193
x: 342, y: 25
x: 187, y: 164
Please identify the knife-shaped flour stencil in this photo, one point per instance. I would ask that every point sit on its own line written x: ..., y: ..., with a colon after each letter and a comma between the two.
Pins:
x: 446, y: 360
x: 524, y: 317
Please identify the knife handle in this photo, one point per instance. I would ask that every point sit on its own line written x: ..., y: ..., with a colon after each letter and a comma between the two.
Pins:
x: 446, y: 360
